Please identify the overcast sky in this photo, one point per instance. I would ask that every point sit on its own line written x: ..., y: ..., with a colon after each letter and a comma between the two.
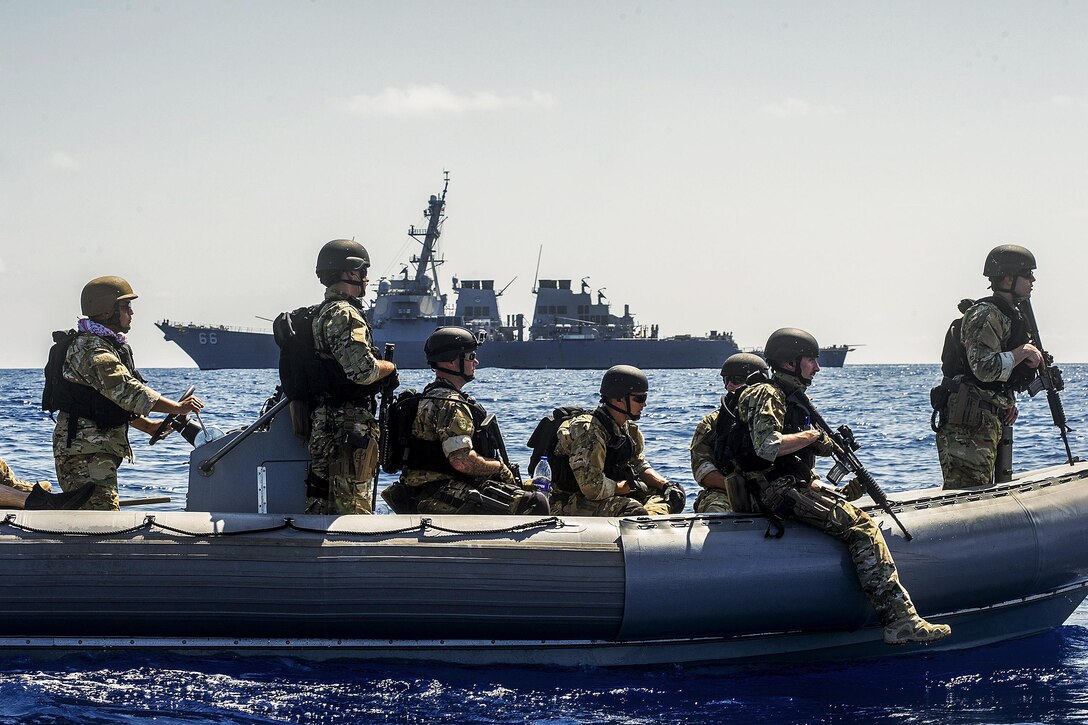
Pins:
x: 842, y: 167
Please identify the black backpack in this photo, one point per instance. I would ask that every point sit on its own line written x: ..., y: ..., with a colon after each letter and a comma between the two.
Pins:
x: 953, y: 356
x: 304, y: 375
x: 62, y: 340
x: 402, y: 411
x: 546, y: 434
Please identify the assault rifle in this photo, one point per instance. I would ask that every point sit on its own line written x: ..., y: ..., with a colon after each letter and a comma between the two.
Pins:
x: 491, y: 425
x: 846, y: 461
x: 1049, y: 379
x: 383, y: 429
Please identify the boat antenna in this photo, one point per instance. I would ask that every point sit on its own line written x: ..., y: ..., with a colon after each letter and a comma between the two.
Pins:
x: 536, y: 275
x: 499, y: 293
x: 266, y: 319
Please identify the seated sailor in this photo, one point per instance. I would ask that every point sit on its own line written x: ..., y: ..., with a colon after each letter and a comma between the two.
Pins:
x: 723, y: 488
x: 599, y: 468
x: 454, y: 455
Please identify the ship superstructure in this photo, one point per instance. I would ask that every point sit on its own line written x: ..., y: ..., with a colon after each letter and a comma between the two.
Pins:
x: 570, y: 329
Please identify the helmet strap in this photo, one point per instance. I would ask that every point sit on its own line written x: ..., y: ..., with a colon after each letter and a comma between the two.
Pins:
x: 354, y: 283
x: 625, y: 410
x: 459, y: 373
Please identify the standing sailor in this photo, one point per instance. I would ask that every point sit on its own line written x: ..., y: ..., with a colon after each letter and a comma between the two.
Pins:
x: 984, y: 366
x: 453, y: 453
x: 778, y: 454
x: 599, y: 468
x: 343, y: 438
x: 709, y: 459
x: 92, y: 381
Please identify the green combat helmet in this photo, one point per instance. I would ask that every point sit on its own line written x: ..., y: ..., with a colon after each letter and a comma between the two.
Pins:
x: 100, y: 296
x: 1008, y: 260
x: 447, y: 344
x: 341, y: 255
x: 790, y: 343
x: 742, y: 364
x: 619, y: 381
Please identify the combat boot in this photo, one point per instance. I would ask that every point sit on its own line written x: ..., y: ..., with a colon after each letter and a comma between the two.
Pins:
x: 40, y: 499
x: 913, y: 628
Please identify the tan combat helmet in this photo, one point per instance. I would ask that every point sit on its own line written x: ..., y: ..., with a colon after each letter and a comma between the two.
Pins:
x: 101, y: 295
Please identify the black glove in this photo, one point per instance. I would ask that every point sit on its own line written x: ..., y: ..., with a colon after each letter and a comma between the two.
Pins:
x: 639, y: 490
x: 675, y: 497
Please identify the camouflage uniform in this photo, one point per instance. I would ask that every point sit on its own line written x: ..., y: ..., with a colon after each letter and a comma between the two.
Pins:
x: 7, y: 478
x: 344, y: 436
x: 584, y: 439
x: 710, y: 500
x: 444, y: 417
x: 967, y: 447
x: 95, y: 453
x: 763, y: 407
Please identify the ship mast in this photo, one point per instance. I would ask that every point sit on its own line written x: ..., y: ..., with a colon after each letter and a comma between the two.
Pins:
x: 435, y: 216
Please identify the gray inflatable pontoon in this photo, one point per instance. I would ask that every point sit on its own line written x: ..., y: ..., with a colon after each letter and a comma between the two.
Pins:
x: 996, y: 564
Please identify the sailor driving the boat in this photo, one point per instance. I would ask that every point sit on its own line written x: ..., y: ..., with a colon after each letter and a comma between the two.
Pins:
x: 91, y: 379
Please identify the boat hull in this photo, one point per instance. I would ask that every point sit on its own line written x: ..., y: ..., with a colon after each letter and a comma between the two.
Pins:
x: 217, y: 348
x: 996, y: 564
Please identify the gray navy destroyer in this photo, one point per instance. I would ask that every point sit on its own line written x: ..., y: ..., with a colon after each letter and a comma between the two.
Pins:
x: 571, y: 329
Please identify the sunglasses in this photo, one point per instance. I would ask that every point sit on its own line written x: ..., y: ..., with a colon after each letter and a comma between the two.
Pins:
x: 124, y: 307
x: 470, y: 356
x: 639, y: 398
x: 736, y: 379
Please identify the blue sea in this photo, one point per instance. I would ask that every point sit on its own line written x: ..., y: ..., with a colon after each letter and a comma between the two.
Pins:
x: 1043, y: 679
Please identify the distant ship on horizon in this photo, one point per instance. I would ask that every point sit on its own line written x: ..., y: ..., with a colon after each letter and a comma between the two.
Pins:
x: 569, y: 330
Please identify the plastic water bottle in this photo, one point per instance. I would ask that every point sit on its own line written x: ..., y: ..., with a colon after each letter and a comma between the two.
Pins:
x: 542, y: 475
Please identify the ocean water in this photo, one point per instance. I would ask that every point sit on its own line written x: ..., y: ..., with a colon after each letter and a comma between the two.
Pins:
x: 1042, y: 679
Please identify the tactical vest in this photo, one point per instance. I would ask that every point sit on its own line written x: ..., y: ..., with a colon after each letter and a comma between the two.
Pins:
x: 798, y: 464
x: 619, y: 447
x: 424, y: 455
x: 308, y: 374
x: 83, y: 401
x: 722, y: 452
x: 954, y: 354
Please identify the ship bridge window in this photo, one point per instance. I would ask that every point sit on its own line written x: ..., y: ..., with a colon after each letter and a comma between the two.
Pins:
x: 562, y: 309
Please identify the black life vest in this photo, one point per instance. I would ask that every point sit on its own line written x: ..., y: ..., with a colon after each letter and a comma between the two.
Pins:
x: 954, y: 355
x: 619, y: 447
x: 83, y: 401
x: 406, y: 450
x: 309, y: 375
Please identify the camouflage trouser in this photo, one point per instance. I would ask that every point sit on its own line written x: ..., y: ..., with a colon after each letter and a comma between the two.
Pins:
x: 968, y: 452
x: 713, y: 501
x: 76, y: 469
x: 7, y: 478
x: 868, y: 550
x: 579, y: 505
x: 343, y: 453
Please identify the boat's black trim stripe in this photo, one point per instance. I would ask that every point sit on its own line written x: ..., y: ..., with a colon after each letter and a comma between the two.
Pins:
x: 422, y: 528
